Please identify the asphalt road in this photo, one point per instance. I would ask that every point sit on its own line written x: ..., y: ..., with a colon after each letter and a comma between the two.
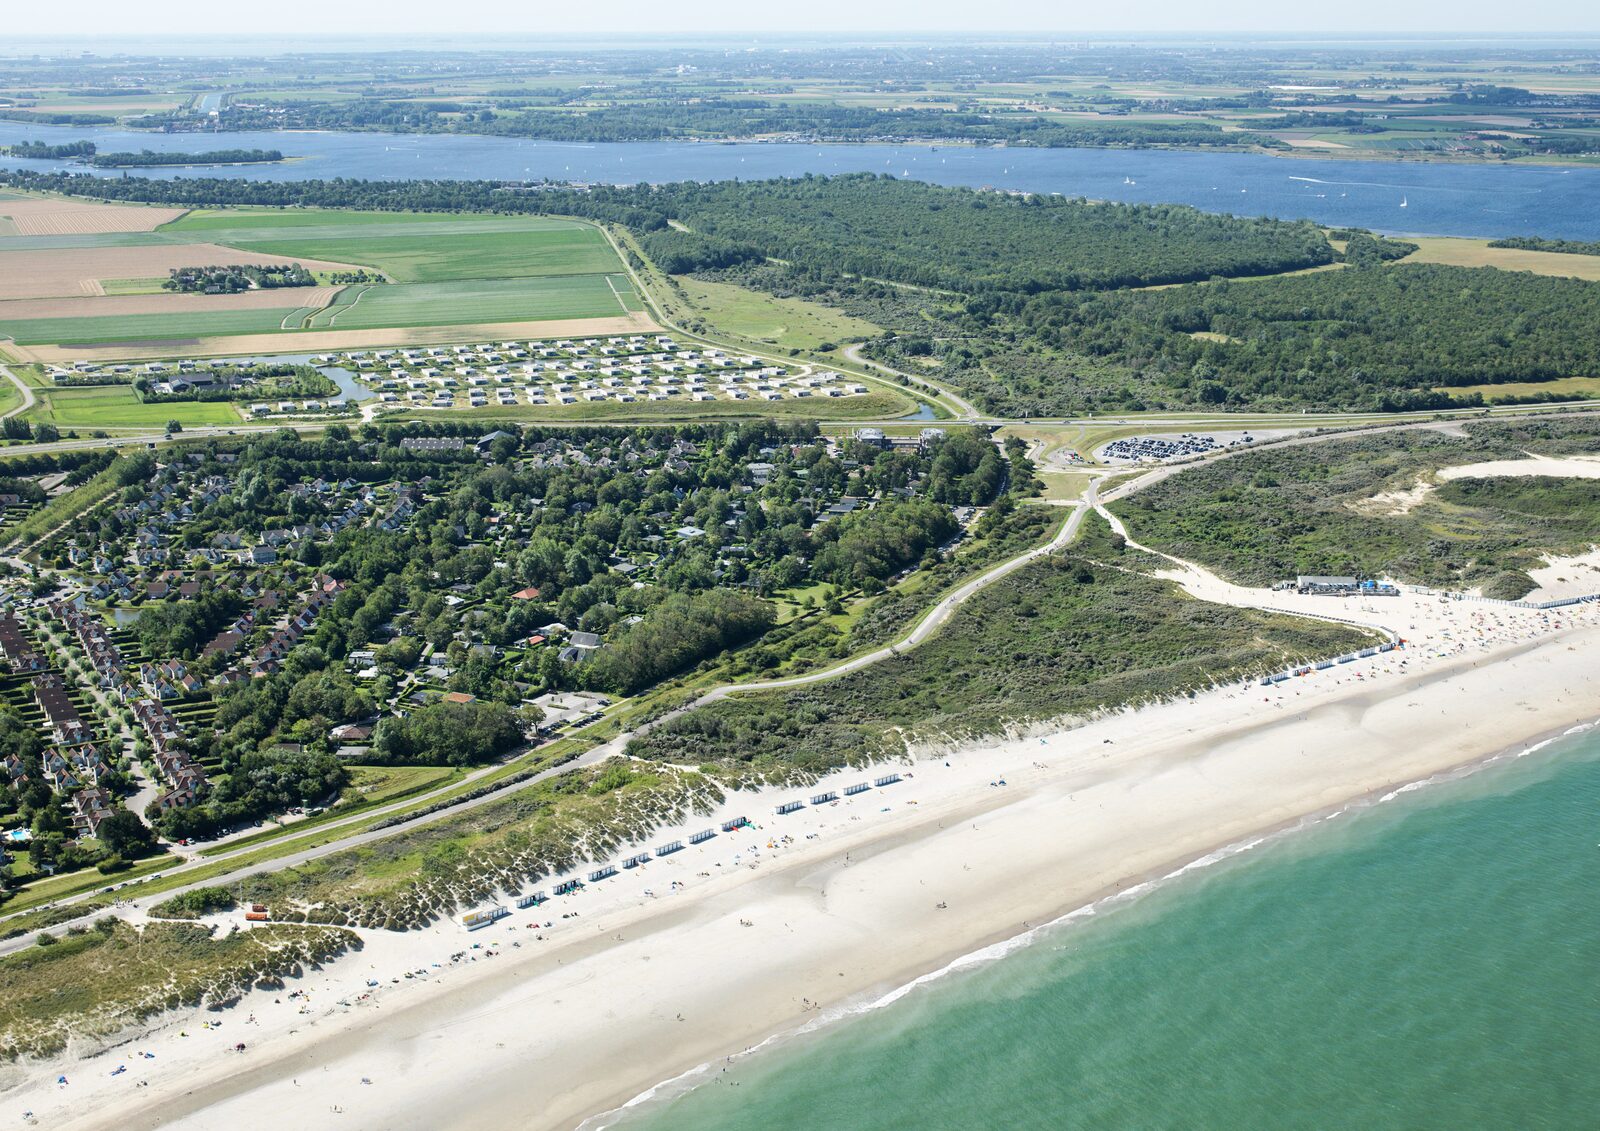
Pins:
x: 28, y: 399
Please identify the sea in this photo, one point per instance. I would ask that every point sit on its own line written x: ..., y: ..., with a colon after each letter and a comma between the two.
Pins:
x: 1407, y: 198
x: 1430, y: 960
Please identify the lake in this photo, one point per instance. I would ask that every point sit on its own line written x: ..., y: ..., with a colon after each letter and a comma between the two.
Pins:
x: 1424, y: 198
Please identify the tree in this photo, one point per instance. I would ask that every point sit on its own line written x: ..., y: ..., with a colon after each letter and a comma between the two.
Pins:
x: 174, y: 426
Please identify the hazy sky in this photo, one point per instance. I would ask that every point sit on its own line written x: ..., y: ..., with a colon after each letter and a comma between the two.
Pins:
x: 522, y: 18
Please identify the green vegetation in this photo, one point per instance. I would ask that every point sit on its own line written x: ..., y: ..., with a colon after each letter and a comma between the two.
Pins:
x: 195, y: 904
x: 119, y: 406
x: 783, y: 323
x: 1377, y: 338
x: 949, y: 238
x: 448, y: 734
x: 1538, y: 243
x: 676, y: 634
x: 531, y: 299
x: 218, y: 280
x: 62, y: 509
x: 1354, y: 507
x: 93, y: 983
x: 149, y: 157
x: 44, y: 151
x: 1072, y: 634
x: 415, y: 249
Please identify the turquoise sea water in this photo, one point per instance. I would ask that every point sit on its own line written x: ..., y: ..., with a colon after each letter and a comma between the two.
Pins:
x: 1429, y: 962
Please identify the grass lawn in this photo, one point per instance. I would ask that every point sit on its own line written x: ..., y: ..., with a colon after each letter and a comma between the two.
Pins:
x: 374, y: 785
x: 1578, y: 388
x: 1063, y: 486
x: 788, y: 323
x: 50, y: 888
x: 116, y: 406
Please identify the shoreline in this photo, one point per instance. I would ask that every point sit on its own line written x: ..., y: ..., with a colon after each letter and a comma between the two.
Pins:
x: 1131, y: 889
x: 587, y: 1020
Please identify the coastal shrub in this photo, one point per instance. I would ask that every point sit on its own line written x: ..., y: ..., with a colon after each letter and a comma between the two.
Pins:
x: 1067, y: 635
x: 1346, y: 506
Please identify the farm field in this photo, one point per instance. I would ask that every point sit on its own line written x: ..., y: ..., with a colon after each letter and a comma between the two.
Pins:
x: 89, y: 287
x: 54, y: 216
x: 484, y: 300
x: 179, y: 326
x: 1478, y: 253
x: 154, y: 300
x: 416, y: 248
x: 117, y: 406
x: 318, y: 341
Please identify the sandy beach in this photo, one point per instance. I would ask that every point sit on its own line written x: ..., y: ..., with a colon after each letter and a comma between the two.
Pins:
x: 712, y: 950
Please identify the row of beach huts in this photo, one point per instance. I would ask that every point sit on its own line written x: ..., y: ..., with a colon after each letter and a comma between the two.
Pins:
x: 476, y: 920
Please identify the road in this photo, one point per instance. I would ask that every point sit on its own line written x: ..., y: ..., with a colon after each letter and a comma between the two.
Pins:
x: 28, y: 399
x: 964, y: 408
x: 936, y: 618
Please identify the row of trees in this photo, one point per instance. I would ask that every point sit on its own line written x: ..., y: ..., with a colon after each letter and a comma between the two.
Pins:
x: 677, y: 117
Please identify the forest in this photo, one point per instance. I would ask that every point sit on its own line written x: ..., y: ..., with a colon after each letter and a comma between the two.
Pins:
x: 1376, y: 338
x: 1026, y: 303
x: 44, y: 151
x: 236, y: 277
x: 147, y: 157
x: 1539, y: 243
x: 679, y: 117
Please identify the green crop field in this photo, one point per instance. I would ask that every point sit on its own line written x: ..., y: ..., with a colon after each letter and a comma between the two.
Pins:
x: 117, y: 406
x: 447, y: 270
x: 468, y: 302
x: 178, y: 325
x: 413, y: 248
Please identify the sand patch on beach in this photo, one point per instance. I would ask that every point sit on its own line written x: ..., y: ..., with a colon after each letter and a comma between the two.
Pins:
x: 1559, y: 467
x: 710, y: 950
x: 1400, y: 501
x: 1403, y: 500
x: 1576, y: 575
